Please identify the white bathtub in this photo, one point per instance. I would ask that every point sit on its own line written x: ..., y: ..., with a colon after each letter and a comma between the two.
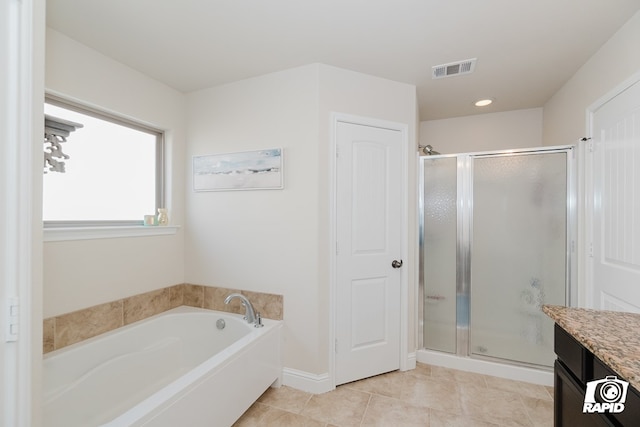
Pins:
x: 173, y: 369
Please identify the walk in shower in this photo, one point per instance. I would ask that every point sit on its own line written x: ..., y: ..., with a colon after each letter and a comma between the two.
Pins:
x: 495, y: 246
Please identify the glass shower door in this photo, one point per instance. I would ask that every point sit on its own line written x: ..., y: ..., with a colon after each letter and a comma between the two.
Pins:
x: 438, y: 257
x: 518, y: 254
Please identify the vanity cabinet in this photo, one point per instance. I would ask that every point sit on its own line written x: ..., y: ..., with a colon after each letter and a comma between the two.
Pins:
x: 574, y: 367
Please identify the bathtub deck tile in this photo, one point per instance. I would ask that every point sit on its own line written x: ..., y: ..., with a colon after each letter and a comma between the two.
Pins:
x: 193, y: 295
x: 145, y: 305
x: 214, y: 300
x: 48, y: 335
x: 83, y: 324
x: 270, y: 306
x: 176, y: 296
x: 70, y: 328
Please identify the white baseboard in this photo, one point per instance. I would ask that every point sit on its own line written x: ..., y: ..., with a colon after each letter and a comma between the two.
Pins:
x: 318, y: 384
x: 305, y: 381
x: 519, y: 373
x: 410, y: 363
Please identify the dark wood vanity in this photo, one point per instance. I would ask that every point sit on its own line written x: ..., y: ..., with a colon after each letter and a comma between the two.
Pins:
x: 592, y: 345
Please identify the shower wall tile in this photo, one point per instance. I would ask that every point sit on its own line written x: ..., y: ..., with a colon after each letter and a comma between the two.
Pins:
x: 67, y: 329
x: 84, y: 324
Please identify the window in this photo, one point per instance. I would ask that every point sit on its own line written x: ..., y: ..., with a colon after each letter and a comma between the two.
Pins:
x: 114, y: 173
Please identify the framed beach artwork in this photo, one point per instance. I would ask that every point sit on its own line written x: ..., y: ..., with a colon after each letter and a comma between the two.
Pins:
x: 247, y: 170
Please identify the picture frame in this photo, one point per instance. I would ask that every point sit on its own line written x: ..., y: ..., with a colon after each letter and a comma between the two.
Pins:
x: 244, y: 170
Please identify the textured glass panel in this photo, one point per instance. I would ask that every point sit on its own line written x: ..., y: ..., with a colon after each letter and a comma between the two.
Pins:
x: 518, y: 259
x: 440, y: 237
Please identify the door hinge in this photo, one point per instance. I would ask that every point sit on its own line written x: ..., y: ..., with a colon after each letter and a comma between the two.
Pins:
x: 335, y: 348
x: 591, y: 249
x: 13, y: 312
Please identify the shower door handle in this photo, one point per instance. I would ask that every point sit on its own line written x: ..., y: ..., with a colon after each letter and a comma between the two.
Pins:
x: 396, y: 264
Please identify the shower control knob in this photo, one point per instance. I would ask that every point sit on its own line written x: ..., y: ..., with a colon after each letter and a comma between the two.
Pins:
x: 396, y: 263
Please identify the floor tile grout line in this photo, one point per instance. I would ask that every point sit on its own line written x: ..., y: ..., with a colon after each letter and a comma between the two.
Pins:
x: 526, y: 410
x: 269, y: 407
x: 364, y: 414
x: 305, y: 404
x: 523, y: 406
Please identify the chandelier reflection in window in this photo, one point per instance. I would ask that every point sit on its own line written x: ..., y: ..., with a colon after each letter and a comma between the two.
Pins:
x: 56, y: 132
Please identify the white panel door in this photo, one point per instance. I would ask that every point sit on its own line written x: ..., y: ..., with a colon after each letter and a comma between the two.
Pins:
x: 369, y: 240
x: 616, y: 203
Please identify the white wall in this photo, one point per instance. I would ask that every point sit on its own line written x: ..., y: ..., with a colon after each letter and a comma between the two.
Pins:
x: 262, y: 240
x: 565, y: 118
x: 484, y: 132
x: 616, y: 61
x: 276, y: 241
x: 79, y: 274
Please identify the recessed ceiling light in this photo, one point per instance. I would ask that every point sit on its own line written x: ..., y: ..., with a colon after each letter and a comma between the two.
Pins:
x: 483, y: 102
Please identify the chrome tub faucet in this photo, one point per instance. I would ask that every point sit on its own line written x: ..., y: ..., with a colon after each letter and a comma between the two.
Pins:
x: 250, y: 313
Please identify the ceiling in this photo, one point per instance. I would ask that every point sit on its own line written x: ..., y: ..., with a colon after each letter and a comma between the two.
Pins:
x: 526, y: 49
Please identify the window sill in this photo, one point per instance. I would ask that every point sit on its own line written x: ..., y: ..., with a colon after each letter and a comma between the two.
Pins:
x: 89, y: 233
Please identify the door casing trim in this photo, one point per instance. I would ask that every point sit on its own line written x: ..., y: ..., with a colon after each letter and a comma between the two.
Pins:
x: 585, y: 196
x: 406, y: 362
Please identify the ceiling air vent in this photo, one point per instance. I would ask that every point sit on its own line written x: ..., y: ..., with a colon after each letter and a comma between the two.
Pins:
x: 453, y: 68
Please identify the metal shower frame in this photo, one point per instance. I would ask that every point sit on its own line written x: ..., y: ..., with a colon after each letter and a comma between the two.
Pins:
x: 465, y: 231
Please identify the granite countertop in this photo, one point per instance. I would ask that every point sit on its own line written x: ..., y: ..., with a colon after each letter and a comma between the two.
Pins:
x: 614, y: 337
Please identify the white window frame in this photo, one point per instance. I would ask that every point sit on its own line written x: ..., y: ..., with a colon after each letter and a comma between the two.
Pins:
x: 90, y: 229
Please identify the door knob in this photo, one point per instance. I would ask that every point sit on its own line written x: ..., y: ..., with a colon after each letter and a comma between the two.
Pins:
x: 396, y: 263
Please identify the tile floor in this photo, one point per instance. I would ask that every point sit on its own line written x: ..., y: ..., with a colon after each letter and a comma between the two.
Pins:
x: 428, y: 396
